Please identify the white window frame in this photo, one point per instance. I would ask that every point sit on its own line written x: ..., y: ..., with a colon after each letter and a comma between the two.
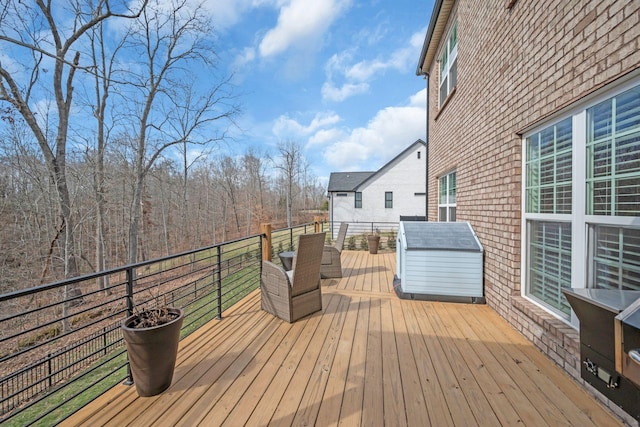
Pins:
x: 581, y: 222
x: 450, y: 202
x: 445, y: 66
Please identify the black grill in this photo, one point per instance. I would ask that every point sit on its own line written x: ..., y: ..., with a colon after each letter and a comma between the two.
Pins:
x: 597, y: 310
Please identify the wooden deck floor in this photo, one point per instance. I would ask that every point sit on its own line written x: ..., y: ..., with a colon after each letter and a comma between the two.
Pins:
x: 367, y: 359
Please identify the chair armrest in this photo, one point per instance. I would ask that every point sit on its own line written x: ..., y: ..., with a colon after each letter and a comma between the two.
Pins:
x: 328, y: 254
x: 274, y: 279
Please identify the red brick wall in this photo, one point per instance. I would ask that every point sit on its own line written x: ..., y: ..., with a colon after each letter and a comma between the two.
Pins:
x: 515, y: 67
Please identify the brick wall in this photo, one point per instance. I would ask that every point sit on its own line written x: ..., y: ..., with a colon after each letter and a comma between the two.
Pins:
x: 516, y: 67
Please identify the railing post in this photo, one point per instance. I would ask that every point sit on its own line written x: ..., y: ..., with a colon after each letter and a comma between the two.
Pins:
x: 104, y: 339
x: 219, y: 281
x: 49, y: 367
x: 316, y: 224
x: 129, y: 296
x: 265, y: 230
x: 291, y: 239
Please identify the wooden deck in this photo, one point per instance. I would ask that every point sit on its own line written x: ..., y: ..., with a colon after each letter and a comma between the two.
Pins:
x: 367, y: 359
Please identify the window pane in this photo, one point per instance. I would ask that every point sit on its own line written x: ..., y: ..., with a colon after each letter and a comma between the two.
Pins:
x: 599, y: 121
x: 443, y: 190
x: 442, y: 214
x: 453, y: 75
x: 616, y: 263
x: 628, y: 111
x: 452, y: 214
x: 550, y: 263
x: 453, y: 36
x: 443, y: 64
x: 443, y: 91
x: 549, y: 169
x: 613, y: 156
x: 452, y: 187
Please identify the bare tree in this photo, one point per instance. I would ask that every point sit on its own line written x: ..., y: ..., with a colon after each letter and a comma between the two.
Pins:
x: 166, y: 109
x: 289, y: 164
x: 36, y: 37
x: 254, y: 186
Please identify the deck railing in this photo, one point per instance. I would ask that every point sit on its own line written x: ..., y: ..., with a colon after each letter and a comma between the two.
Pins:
x: 61, y: 344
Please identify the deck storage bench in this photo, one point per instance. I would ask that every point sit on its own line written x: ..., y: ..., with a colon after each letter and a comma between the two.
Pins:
x: 441, y: 261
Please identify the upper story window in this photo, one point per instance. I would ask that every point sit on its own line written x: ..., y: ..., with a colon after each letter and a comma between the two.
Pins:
x: 447, y: 197
x: 358, y: 200
x: 388, y: 199
x: 449, y: 64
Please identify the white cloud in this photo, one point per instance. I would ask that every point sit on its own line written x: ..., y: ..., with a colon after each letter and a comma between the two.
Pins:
x: 286, y: 127
x: 347, y: 90
x: 357, y: 75
x: 301, y: 23
x: 247, y: 55
x: 390, y: 130
x: 325, y: 136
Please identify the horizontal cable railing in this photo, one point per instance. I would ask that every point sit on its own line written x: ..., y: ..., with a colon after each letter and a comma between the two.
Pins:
x: 61, y: 343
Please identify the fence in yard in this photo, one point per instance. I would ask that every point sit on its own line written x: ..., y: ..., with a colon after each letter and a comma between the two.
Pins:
x: 61, y: 344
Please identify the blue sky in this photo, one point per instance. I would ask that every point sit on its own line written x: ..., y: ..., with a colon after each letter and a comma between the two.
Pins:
x: 337, y: 76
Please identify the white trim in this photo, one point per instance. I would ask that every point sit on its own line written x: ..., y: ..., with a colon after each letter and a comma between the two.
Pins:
x: 580, y: 222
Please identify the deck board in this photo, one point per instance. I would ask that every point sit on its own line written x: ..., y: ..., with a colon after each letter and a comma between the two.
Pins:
x: 368, y: 358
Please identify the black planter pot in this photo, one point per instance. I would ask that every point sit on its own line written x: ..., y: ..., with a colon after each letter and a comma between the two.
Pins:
x: 152, y: 353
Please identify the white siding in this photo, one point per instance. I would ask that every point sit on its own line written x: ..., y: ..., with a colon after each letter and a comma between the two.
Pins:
x: 404, y: 177
x: 451, y: 273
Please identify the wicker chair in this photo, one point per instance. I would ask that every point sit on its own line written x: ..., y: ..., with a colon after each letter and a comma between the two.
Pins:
x: 331, y: 265
x: 291, y: 295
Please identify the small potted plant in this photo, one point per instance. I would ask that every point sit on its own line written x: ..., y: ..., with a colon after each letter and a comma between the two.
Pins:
x: 373, y: 241
x: 152, y: 337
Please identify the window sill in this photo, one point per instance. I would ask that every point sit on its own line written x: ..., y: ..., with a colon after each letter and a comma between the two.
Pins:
x: 446, y: 102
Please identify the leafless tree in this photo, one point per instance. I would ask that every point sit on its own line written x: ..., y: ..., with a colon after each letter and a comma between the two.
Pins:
x: 167, y: 112
x: 39, y: 39
x: 289, y: 164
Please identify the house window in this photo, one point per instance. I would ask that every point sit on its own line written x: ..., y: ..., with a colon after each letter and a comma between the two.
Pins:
x: 418, y: 155
x: 388, y: 199
x: 582, y: 201
x: 358, y: 199
x: 449, y: 63
x: 447, y: 198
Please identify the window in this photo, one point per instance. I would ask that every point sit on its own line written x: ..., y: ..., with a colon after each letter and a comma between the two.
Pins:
x: 548, y: 183
x: 358, y: 199
x: 582, y: 201
x: 449, y: 63
x: 418, y: 155
x: 447, y: 198
x: 388, y: 199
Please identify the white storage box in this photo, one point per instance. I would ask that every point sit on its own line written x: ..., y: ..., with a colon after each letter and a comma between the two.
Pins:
x: 440, y: 261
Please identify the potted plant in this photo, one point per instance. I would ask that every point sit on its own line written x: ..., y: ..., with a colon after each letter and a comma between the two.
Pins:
x: 152, y: 338
x: 373, y: 241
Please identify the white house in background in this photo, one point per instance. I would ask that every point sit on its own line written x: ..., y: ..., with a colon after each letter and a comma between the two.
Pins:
x: 396, y: 189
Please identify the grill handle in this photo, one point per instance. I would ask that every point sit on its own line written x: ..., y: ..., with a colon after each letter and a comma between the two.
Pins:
x: 635, y: 355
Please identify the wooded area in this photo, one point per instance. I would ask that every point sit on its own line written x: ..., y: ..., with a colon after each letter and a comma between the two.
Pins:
x: 113, y: 120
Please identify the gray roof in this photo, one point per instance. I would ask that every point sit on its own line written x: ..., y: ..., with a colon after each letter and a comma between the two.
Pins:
x: 347, y: 181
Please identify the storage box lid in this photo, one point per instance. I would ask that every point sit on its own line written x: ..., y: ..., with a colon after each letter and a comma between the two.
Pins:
x: 451, y: 236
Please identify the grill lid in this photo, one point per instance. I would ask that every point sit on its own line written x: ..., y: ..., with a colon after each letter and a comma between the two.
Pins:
x: 612, y: 300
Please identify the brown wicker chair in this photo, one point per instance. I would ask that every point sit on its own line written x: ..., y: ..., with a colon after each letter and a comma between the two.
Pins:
x: 331, y: 264
x: 291, y: 295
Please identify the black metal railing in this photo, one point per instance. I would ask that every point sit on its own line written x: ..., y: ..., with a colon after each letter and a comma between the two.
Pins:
x: 357, y: 233
x: 61, y: 344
